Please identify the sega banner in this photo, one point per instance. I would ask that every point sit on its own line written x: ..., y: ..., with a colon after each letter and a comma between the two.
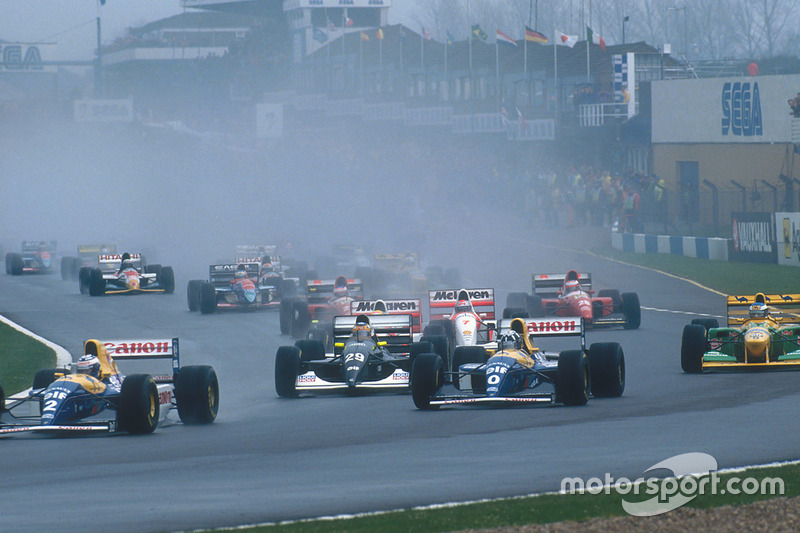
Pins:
x: 788, y: 226
x: 753, y: 238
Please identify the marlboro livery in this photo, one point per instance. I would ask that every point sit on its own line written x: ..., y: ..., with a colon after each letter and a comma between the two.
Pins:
x: 36, y: 257
x: 571, y: 294
x: 466, y: 316
x: 87, y: 257
x: 379, y: 359
x: 105, y: 400
x: 763, y: 332
x: 125, y: 274
x: 520, y: 371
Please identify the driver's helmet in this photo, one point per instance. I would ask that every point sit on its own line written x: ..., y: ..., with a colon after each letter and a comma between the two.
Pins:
x: 126, y: 261
x: 266, y: 266
x: 510, y: 341
x: 759, y: 310
x: 362, y: 331
x: 463, y: 306
x: 89, y: 364
x: 241, y: 272
x: 571, y: 286
x: 340, y: 291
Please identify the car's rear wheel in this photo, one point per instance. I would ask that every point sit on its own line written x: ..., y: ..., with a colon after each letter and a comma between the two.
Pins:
x: 516, y: 299
x: 448, y: 329
x: 287, y: 368
x: 14, y: 264
x: 97, y: 285
x: 138, y: 405
x: 707, y: 323
x: 166, y: 277
x: 693, y: 346
x: 631, y: 310
x: 193, y: 294
x: 572, y: 383
x: 67, y: 266
x: 427, y: 375
x: 300, y: 319
x: 616, y: 299
x: 208, y: 298
x: 440, y: 347
x: 607, y: 369
x: 311, y: 349
x: 44, y: 377
x: 515, y: 312
x: 197, y: 394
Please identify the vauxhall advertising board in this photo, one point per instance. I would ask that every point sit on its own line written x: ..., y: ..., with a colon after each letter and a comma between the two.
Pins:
x: 724, y: 110
x: 753, y: 238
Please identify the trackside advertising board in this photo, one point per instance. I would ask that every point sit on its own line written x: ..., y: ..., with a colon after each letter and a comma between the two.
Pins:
x: 753, y: 238
x: 788, y: 226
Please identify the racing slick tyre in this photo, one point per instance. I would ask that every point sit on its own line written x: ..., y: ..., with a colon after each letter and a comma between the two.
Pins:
x: 534, y: 305
x: 300, y: 319
x: 469, y: 354
x: 516, y: 299
x: 427, y: 375
x: 631, y: 310
x: 44, y: 377
x: 515, y: 312
x: 448, y: 330
x: 310, y: 350
x: 441, y: 347
x: 208, y: 298
x: 607, y: 369
x: 288, y: 288
x: 572, y: 383
x: 197, y: 394
x: 693, y: 345
x: 193, y: 294
x: 67, y: 266
x: 323, y: 335
x: 153, y: 269
x: 285, y: 315
x: 2, y: 399
x: 138, y: 405
x: 97, y: 285
x: 14, y: 264
x: 707, y: 323
x: 166, y: 277
x: 287, y: 368
x: 614, y: 295
x: 83, y: 279
x: 418, y: 348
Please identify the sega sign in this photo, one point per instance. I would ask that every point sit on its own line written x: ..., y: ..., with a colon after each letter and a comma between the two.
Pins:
x: 741, y: 109
x: 18, y: 57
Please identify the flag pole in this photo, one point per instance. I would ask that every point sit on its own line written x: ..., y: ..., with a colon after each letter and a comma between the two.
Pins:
x: 555, y: 71
x: 380, y: 50
x: 497, y: 68
x: 422, y: 49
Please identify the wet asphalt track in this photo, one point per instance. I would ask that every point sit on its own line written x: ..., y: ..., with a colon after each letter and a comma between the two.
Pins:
x: 268, y: 459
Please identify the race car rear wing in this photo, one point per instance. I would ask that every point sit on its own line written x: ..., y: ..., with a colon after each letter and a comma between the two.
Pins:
x: 121, y: 350
x: 225, y: 273
x: 396, y: 262
x: 93, y: 250
x: 321, y: 290
x: 783, y: 308
x: 547, y: 327
x: 111, y: 262
x: 412, y: 306
x: 38, y: 246
x: 549, y: 285
x: 395, y: 330
x: 255, y: 250
x: 441, y: 303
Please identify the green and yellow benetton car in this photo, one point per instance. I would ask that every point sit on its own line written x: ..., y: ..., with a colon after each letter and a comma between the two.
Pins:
x: 763, y: 332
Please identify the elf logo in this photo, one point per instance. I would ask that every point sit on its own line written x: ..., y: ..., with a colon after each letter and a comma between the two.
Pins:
x: 741, y: 109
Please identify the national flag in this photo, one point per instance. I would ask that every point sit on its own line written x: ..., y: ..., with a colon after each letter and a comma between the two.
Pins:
x: 478, y: 33
x: 364, y: 37
x: 592, y: 37
x: 379, y: 34
x: 534, y: 36
x: 319, y: 35
x: 503, y: 38
x: 522, y: 119
x: 426, y: 34
x: 566, y: 40
x: 348, y: 21
x: 449, y: 40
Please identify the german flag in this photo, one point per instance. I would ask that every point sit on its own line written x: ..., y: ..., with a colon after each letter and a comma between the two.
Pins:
x: 534, y: 36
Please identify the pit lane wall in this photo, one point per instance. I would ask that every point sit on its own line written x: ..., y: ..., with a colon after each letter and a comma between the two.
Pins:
x: 703, y: 247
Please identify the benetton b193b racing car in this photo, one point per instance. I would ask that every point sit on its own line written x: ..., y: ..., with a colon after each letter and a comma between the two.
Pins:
x: 519, y: 372
x: 125, y: 274
x: 35, y: 257
x: 370, y: 352
x: 763, y: 332
x: 106, y: 400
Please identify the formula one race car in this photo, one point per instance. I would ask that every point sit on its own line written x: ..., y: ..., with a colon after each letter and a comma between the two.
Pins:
x: 87, y: 257
x: 323, y: 299
x: 763, y: 332
x: 125, y: 274
x: 465, y: 316
x: 371, y: 352
x: 398, y: 274
x: 520, y: 372
x: 571, y: 294
x: 235, y: 286
x: 36, y: 257
x: 104, y: 400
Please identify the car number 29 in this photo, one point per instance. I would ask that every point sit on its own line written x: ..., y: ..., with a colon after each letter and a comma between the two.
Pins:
x: 354, y: 357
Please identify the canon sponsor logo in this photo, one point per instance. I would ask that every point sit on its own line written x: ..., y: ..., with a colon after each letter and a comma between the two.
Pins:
x: 133, y: 348
x: 404, y: 305
x: 440, y: 296
x: 553, y: 326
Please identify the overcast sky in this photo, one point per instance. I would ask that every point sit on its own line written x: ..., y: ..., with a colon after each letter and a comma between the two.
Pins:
x: 71, y: 23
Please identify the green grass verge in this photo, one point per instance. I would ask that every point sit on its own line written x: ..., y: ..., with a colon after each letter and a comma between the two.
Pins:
x: 21, y: 357
x: 730, y: 278
x: 532, y: 510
